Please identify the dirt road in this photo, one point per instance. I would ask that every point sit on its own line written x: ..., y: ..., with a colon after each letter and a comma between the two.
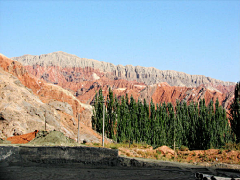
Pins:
x: 75, y: 171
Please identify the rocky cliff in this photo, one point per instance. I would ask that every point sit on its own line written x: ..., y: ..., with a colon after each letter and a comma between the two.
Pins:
x: 26, y: 102
x: 140, y: 74
x: 21, y: 110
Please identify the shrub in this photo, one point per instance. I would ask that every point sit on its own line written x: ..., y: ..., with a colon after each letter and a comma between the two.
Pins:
x: 220, y: 151
x: 128, y: 154
x: 232, y: 146
x: 113, y: 147
x: 156, y: 156
x: 159, y: 152
x: 184, y: 148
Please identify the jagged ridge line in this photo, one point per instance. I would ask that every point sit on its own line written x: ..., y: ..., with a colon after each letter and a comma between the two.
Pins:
x: 147, y: 75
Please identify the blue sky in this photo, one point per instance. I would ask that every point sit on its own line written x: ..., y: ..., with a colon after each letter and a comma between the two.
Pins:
x: 195, y: 37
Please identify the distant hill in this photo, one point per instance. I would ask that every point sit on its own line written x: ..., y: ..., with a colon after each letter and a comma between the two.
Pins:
x: 84, y: 77
x: 146, y: 75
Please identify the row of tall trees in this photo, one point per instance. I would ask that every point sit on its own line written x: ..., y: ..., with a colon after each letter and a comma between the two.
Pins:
x: 197, y: 125
x: 235, y: 113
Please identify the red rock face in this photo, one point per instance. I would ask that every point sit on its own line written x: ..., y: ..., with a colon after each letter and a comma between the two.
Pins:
x: 42, y: 89
x: 171, y: 94
x: 83, y: 84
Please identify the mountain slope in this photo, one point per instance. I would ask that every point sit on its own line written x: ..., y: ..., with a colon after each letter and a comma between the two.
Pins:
x: 84, y: 77
x: 26, y: 102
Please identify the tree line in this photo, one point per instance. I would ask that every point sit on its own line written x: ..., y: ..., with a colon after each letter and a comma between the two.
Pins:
x: 195, y: 125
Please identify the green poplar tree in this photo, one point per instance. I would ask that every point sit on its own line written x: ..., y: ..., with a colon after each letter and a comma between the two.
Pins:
x: 140, y: 116
x: 179, y: 131
x: 146, y: 122
x: 99, y: 111
x: 164, y: 126
x: 235, y: 113
x: 95, y: 111
x: 123, y: 120
x: 185, y: 123
x: 133, y: 119
x: 171, y: 125
x: 152, y: 127
x: 192, y: 138
x: 211, y: 123
x: 111, y: 115
x: 117, y: 115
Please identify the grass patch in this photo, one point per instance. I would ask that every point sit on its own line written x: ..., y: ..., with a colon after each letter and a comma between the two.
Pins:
x: 96, y: 144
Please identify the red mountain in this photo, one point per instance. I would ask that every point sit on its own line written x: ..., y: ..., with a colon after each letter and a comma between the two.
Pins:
x: 84, y: 77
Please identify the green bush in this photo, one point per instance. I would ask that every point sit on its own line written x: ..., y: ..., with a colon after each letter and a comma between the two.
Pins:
x: 113, y: 147
x: 184, y: 148
x: 232, y: 146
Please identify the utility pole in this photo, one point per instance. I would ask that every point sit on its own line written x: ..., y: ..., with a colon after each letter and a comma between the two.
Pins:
x: 78, y: 127
x: 174, y: 140
x: 174, y: 149
x: 45, y: 120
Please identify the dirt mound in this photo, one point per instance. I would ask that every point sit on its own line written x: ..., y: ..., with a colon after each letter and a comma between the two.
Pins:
x: 23, y: 139
x: 52, y: 138
x: 165, y: 150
